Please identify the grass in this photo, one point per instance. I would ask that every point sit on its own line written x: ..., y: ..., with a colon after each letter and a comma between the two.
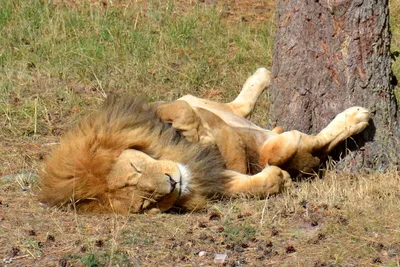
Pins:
x: 395, y: 44
x: 60, y: 56
x: 66, y: 59
x: 58, y: 59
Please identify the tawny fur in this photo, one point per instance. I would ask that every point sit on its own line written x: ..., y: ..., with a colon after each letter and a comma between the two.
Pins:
x: 226, y: 155
x: 76, y: 171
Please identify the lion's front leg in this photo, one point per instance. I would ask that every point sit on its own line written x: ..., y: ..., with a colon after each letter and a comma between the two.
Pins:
x: 269, y: 181
x: 293, y: 151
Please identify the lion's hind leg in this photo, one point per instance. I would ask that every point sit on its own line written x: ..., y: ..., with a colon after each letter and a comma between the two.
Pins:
x: 243, y: 103
x: 251, y: 90
x: 298, y: 152
x: 346, y: 124
x: 271, y: 180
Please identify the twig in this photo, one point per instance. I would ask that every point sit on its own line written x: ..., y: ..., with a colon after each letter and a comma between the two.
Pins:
x: 263, y: 212
x: 101, y: 90
x: 35, y: 115
x: 10, y: 260
x: 20, y: 257
x: 33, y: 256
x: 50, y: 144
x: 272, y: 263
x: 136, y: 21
x: 273, y: 217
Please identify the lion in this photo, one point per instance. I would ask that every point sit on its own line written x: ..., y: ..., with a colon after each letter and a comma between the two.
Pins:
x: 138, y: 157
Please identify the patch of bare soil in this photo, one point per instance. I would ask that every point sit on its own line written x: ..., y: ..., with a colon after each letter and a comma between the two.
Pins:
x: 237, y: 10
x: 38, y: 236
x: 233, y: 10
x: 284, y: 230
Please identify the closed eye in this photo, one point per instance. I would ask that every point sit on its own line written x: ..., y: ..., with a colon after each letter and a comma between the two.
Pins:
x: 136, y: 169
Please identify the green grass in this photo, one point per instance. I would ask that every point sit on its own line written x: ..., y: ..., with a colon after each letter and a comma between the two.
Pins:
x: 51, y: 52
x: 55, y: 54
x: 395, y: 44
x: 90, y: 260
x: 239, y: 232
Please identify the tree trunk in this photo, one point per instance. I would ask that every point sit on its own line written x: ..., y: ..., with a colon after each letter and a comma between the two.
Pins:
x: 331, y: 55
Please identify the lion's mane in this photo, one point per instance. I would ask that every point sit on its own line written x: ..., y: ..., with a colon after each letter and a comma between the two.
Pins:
x: 75, y: 171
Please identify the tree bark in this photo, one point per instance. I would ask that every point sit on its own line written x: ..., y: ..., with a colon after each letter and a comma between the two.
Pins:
x: 330, y: 55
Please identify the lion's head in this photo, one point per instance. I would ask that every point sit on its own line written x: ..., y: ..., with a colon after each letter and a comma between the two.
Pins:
x: 124, y: 159
x: 144, y: 184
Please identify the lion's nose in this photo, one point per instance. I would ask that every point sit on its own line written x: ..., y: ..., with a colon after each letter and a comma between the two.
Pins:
x: 171, y: 181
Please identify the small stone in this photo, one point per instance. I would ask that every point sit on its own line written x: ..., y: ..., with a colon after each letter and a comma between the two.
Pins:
x: 7, y: 261
x: 220, y: 258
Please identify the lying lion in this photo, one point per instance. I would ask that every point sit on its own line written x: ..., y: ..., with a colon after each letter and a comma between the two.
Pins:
x: 134, y: 157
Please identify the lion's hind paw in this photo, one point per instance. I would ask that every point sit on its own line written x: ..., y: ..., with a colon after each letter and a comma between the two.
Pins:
x: 354, y: 119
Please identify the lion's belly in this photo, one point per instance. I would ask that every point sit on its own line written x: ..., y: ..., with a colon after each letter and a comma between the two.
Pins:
x: 238, y: 123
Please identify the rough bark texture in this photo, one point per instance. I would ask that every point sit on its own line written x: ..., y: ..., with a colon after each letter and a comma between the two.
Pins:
x: 330, y: 55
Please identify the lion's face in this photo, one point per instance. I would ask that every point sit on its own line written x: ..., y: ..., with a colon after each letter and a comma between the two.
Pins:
x: 139, y: 183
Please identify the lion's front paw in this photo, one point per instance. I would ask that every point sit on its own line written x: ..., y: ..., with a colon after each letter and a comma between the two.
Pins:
x: 276, y: 179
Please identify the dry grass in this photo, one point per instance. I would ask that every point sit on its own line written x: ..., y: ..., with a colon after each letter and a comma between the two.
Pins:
x: 341, y: 220
x: 59, y: 58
